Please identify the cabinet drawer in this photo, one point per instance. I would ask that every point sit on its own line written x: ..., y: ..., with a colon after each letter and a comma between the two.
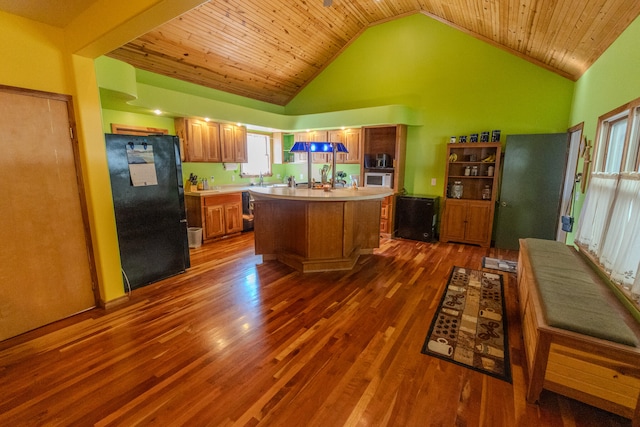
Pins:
x: 222, y: 199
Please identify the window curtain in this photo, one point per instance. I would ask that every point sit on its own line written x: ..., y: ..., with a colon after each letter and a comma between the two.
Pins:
x: 609, y: 227
x: 595, y: 211
x: 621, y: 249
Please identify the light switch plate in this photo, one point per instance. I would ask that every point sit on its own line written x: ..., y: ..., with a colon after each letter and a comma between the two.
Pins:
x: 433, y: 181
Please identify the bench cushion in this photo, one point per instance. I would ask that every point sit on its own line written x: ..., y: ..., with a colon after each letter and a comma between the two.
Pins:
x: 570, y: 297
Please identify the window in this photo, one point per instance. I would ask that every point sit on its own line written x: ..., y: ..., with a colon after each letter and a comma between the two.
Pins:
x: 619, y: 140
x: 609, y: 224
x: 614, y: 140
x: 258, y: 156
x: 633, y: 153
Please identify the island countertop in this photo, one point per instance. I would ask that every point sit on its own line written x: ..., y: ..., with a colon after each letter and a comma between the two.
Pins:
x: 319, y: 195
x: 316, y: 230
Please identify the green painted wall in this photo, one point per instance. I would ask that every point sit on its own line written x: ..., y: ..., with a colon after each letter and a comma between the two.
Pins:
x: 128, y: 118
x: 612, y: 81
x: 457, y: 84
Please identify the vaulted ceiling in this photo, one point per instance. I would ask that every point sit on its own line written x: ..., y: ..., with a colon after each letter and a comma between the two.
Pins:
x: 269, y: 50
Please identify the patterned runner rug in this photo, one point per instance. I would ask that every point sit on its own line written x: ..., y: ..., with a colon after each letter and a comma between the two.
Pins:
x: 470, y: 326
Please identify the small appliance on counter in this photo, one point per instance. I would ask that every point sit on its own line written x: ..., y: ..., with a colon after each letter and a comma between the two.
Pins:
x: 378, y: 161
x: 383, y: 161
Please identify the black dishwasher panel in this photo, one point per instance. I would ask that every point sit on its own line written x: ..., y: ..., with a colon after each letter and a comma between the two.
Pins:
x: 416, y: 217
x: 247, y: 211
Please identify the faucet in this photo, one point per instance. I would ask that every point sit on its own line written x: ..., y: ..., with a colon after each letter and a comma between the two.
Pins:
x: 261, y: 181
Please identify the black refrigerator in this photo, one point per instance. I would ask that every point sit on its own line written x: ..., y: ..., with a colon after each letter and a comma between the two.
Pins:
x: 148, y: 198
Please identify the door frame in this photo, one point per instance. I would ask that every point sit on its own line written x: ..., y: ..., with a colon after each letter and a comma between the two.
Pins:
x: 571, y: 179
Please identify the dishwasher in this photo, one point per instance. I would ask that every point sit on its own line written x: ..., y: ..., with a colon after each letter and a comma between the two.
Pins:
x: 247, y: 211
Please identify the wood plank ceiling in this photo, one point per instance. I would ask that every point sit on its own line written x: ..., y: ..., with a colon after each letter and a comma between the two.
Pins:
x: 269, y: 50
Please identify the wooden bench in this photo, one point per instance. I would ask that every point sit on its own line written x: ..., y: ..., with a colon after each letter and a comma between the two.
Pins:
x: 580, y: 340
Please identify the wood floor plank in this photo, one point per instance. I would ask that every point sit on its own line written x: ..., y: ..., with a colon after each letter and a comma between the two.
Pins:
x: 238, y: 342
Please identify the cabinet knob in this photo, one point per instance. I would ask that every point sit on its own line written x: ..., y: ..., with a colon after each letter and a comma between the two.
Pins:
x: 503, y: 204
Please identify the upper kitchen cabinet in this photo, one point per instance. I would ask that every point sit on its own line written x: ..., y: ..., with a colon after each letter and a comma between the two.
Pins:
x: 200, y: 139
x: 314, y: 136
x: 384, y: 152
x: 352, y: 140
x: 233, y: 143
x: 311, y: 136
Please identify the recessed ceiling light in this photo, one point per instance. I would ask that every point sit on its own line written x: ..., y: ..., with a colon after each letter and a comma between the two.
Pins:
x: 158, y: 112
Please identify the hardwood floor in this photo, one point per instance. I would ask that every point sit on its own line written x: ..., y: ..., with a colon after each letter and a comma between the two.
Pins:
x: 235, y: 342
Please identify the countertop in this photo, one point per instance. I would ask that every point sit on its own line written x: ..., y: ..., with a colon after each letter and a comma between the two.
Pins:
x: 222, y: 189
x: 308, y: 194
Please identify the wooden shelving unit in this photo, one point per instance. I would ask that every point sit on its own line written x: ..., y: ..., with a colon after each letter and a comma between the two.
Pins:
x: 469, y: 218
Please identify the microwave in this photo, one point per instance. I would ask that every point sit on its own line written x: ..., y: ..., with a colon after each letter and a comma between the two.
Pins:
x: 378, y: 179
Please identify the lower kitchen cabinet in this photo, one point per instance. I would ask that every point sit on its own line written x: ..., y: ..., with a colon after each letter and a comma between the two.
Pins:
x: 386, y: 215
x: 467, y: 221
x: 217, y: 215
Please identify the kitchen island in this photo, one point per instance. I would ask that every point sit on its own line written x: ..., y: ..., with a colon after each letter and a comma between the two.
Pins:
x: 316, y: 230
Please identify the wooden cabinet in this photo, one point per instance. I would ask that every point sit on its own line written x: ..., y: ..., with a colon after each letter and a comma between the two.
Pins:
x: 212, y: 142
x: 468, y: 217
x: 386, y: 214
x: 200, y: 139
x: 467, y: 221
x: 218, y: 215
x: 233, y: 143
x: 390, y: 140
x: 313, y: 136
x: 214, y: 224
x: 352, y: 140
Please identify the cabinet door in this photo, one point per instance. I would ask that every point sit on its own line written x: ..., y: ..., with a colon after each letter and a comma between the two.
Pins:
x: 319, y: 136
x: 240, y: 144
x: 180, y: 124
x: 300, y: 137
x: 212, y: 142
x: 321, y: 158
x: 227, y: 149
x: 478, y: 223
x: 196, y: 134
x: 233, y: 143
x: 214, y: 221
x: 353, y: 142
x: 386, y: 214
x: 233, y: 217
x: 338, y: 136
x: 454, y: 221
